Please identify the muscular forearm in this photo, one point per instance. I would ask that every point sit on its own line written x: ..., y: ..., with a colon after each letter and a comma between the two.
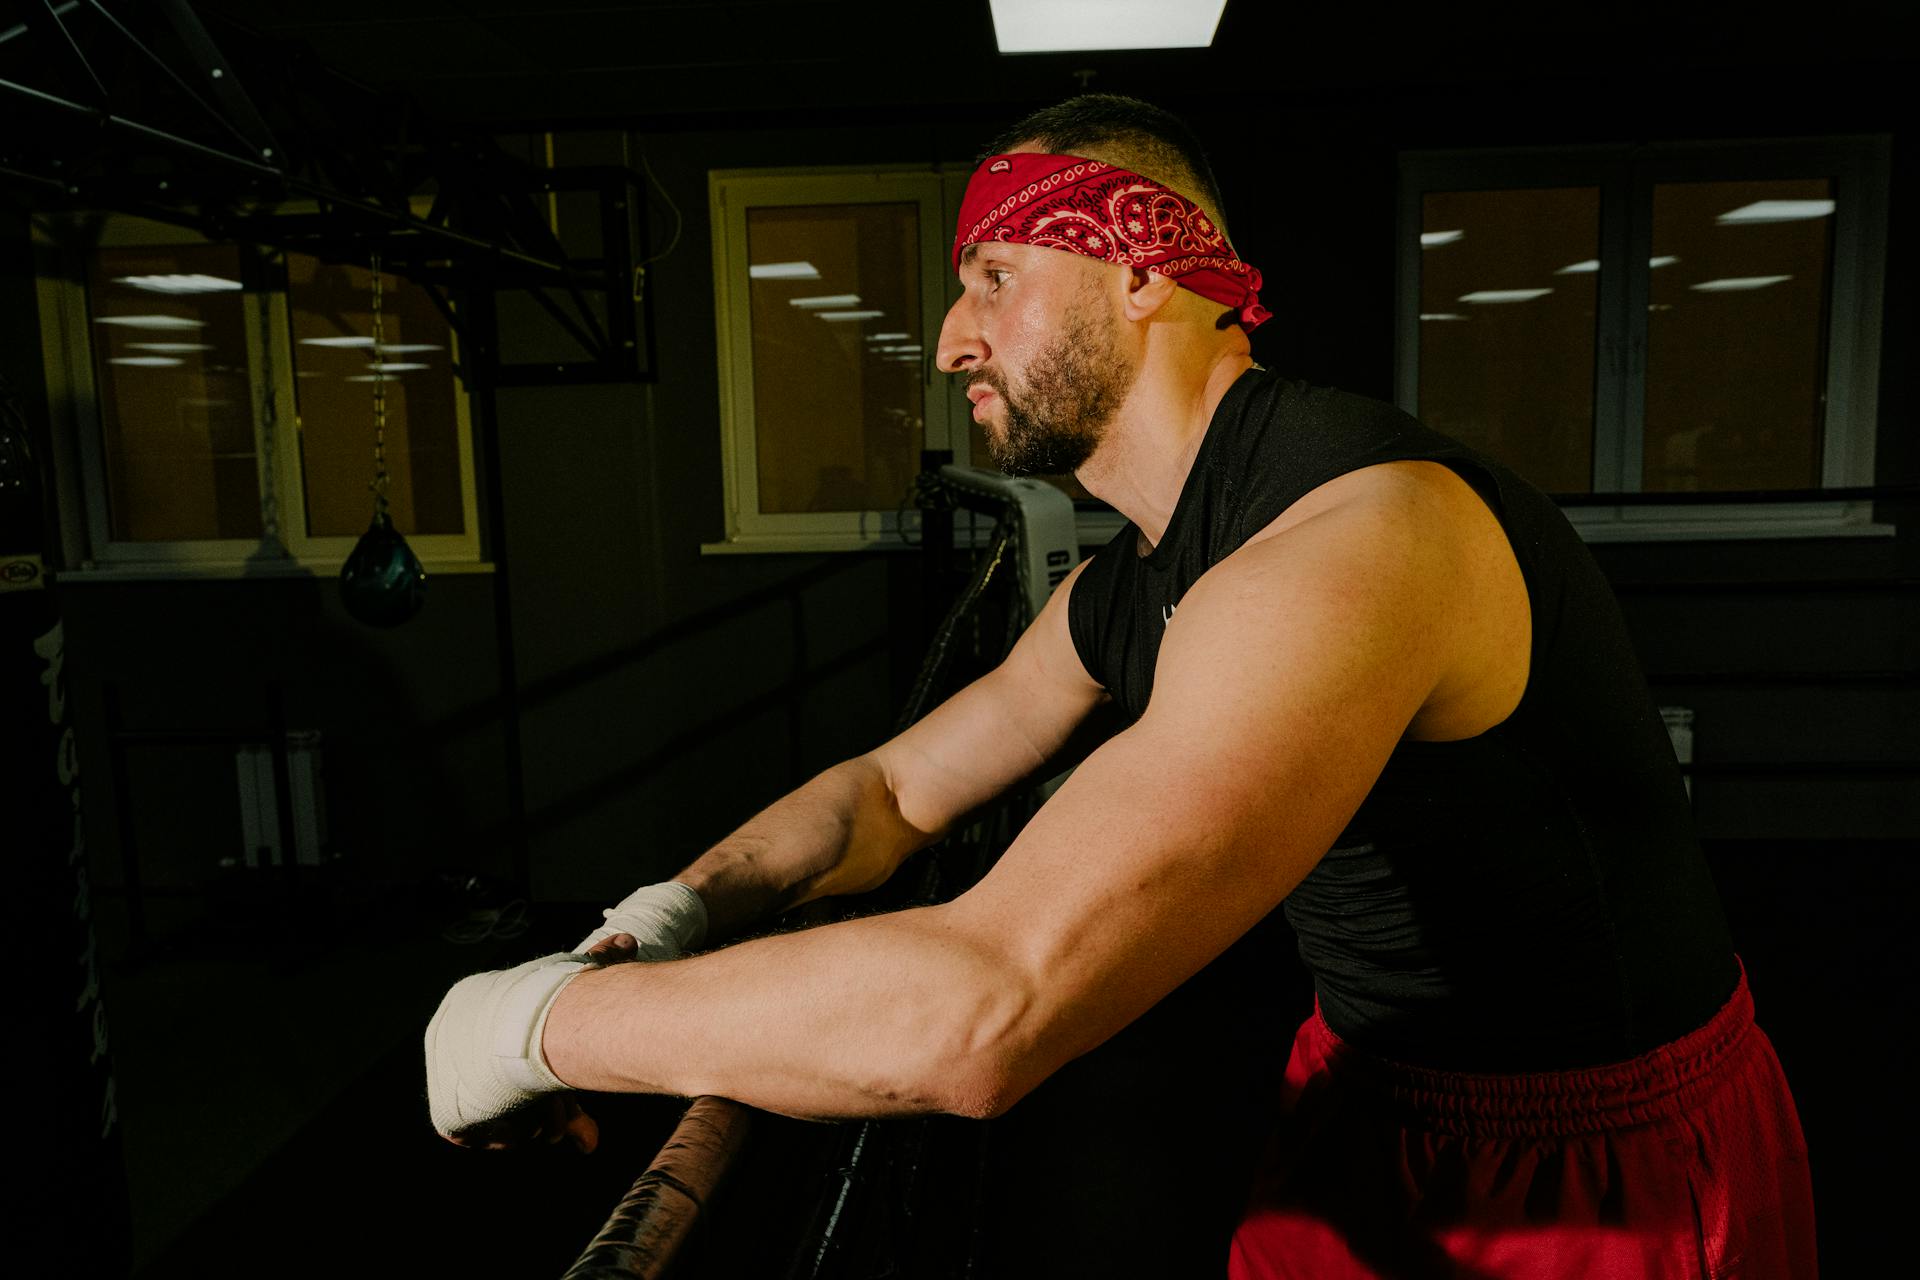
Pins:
x: 840, y: 833
x: 889, y: 1015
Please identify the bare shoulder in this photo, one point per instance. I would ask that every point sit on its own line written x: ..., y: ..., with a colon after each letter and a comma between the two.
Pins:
x: 1430, y: 495
x: 1385, y: 530
x: 1400, y: 569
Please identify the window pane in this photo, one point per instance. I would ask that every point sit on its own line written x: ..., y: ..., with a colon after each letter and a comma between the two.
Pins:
x: 176, y: 414
x: 333, y: 372
x: 1736, y: 335
x: 1507, y: 291
x: 839, y: 418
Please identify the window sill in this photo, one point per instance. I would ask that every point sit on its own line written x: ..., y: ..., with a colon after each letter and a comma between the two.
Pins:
x: 1725, y: 523
x: 238, y: 570
x: 747, y: 544
x: 1095, y: 529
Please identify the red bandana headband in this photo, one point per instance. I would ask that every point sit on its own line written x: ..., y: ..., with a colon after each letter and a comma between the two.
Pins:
x: 1091, y: 208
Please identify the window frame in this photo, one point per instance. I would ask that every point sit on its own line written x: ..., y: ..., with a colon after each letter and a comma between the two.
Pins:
x: 285, y: 548
x: 731, y: 194
x: 1626, y: 177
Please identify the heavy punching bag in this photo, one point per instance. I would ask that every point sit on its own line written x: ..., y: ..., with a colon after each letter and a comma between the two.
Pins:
x: 69, y: 1207
x: 382, y: 582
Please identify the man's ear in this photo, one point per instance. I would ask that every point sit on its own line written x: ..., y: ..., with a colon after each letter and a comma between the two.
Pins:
x: 1147, y: 292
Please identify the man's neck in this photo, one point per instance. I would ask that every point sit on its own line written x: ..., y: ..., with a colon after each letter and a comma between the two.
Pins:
x: 1149, y: 447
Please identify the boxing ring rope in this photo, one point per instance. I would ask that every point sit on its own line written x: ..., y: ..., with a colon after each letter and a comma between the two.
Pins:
x: 648, y: 1226
x: 646, y: 1230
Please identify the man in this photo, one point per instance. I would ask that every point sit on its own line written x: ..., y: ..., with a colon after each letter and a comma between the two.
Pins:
x: 1368, y: 674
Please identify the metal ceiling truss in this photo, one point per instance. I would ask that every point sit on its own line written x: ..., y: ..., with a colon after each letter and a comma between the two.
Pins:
x: 133, y: 106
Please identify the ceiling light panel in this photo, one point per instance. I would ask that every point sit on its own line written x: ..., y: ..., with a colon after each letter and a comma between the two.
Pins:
x: 1776, y: 211
x: 1504, y: 295
x: 783, y: 271
x: 179, y: 283
x: 1593, y: 264
x: 152, y: 322
x: 1733, y: 284
x: 1059, y: 26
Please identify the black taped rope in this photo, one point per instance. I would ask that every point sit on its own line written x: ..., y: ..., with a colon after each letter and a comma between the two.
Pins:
x: 654, y: 1218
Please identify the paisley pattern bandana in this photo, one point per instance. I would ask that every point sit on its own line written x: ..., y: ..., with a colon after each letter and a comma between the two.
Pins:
x: 1091, y: 208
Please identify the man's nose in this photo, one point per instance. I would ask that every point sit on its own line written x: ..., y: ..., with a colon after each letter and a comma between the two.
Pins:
x: 961, y: 345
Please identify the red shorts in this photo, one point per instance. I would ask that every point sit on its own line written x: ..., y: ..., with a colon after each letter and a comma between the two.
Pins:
x: 1685, y: 1161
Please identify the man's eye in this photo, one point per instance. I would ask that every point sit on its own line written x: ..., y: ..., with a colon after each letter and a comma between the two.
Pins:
x: 996, y: 277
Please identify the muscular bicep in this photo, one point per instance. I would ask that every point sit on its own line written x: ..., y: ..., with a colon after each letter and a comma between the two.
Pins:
x: 1283, y: 685
x: 999, y: 730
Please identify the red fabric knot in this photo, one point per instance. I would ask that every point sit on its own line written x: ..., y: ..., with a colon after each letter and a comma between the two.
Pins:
x: 1091, y: 208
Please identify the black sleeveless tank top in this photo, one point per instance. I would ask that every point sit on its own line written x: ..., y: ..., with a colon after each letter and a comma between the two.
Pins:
x: 1529, y: 899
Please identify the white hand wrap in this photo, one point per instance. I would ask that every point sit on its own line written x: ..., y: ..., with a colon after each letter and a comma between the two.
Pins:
x: 665, y: 919
x: 483, y: 1045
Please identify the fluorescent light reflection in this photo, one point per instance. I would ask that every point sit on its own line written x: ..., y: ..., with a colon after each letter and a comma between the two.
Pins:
x: 1434, y: 239
x: 849, y: 315
x: 179, y: 283
x: 1053, y: 26
x: 170, y: 348
x: 399, y: 366
x: 826, y: 300
x: 1441, y: 315
x: 1732, y: 283
x: 148, y: 362
x: 345, y: 340
x: 1593, y: 264
x: 408, y: 348
x: 783, y: 271
x: 888, y: 337
x: 1504, y: 295
x: 152, y: 322
x: 1776, y: 211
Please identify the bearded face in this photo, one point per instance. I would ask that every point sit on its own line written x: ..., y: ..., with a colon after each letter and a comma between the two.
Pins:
x: 1056, y: 411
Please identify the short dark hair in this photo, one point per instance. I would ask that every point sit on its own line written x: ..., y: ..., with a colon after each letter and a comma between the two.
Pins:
x: 1126, y: 131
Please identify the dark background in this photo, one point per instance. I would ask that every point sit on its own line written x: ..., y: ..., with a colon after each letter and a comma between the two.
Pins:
x: 267, y: 1054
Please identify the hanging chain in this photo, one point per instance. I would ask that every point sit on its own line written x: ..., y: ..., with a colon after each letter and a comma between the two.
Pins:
x: 268, y: 439
x: 379, y: 485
